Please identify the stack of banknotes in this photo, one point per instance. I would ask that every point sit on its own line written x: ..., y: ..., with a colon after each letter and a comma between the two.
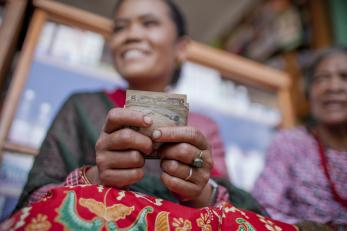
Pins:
x: 165, y: 109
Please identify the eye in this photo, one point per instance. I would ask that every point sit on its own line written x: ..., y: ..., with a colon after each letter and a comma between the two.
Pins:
x: 150, y: 23
x: 118, y: 28
x: 319, y: 78
x: 343, y: 76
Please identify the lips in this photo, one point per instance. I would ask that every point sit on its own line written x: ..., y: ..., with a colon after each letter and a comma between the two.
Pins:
x: 335, y: 104
x: 133, y: 54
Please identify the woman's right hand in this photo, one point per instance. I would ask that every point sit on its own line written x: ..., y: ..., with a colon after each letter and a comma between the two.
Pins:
x: 120, y: 150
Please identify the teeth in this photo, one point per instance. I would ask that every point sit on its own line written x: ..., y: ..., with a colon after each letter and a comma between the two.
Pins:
x: 133, y: 54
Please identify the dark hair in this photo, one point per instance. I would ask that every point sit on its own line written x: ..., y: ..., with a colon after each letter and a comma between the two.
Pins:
x: 316, y: 61
x: 175, y: 13
x: 180, y: 23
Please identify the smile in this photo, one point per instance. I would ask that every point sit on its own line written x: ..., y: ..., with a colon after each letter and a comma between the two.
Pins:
x: 133, y: 54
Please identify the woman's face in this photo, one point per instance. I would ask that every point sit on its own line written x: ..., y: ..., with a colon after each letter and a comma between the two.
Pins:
x: 144, y: 45
x: 328, y: 93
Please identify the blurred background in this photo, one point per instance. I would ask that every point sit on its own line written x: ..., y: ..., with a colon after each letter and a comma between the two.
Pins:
x: 281, y: 34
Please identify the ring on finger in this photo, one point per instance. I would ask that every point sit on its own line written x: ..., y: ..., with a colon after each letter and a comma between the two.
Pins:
x: 198, y: 162
x: 190, y: 174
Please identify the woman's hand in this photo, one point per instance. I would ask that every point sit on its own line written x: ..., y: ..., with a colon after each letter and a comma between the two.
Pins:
x: 120, y: 150
x: 181, y: 146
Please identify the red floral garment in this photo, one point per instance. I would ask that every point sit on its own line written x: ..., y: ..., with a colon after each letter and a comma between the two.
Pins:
x: 91, y: 207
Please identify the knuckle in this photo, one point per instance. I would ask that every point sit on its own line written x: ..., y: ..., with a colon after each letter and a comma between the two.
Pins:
x: 205, y: 176
x: 172, y: 184
x: 125, y: 135
x: 104, y: 176
x: 136, y: 158
x: 171, y: 166
x: 112, y: 114
x: 100, y: 159
x: 138, y: 173
x: 99, y: 144
x: 184, y: 149
x: 209, y: 161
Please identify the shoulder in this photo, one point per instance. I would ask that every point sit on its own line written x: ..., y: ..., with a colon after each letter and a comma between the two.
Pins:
x: 82, y: 103
x: 295, y: 135
x: 294, y: 142
x: 84, y: 96
x: 83, y: 99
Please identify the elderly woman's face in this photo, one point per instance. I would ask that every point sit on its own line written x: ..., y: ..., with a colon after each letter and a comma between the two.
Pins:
x: 328, y: 93
x: 144, y: 43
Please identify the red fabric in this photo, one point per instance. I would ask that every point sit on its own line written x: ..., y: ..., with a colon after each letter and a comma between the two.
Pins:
x: 92, y: 207
x: 75, y: 178
x: 117, y: 97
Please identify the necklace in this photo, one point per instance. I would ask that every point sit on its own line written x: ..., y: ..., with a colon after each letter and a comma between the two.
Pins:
x: 324, y: 165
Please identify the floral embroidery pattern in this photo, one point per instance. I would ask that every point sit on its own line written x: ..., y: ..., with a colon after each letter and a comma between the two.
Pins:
x: 111, y: 213
x: 234, y: 209
x: 69, y: 217
x: 269, y: 225
x: 244, y: 225
x: 181, y: 225
x: 203, y: 222
x: 39, y: 223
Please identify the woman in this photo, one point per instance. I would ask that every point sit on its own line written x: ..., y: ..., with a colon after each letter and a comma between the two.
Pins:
x: 90, y: 130
x: 305, y: 173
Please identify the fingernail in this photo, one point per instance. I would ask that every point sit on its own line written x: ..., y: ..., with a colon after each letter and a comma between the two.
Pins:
x: 147, y: 119
x: 156, y: 134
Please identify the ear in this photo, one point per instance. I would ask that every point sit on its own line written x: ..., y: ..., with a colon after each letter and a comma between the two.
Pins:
x: 181, y: 47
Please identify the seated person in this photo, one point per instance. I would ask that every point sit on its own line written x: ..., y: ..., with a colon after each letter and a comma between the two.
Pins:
x: 90, y: 140
x: 305, y: 172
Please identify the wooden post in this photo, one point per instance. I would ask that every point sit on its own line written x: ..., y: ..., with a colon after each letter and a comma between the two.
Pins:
x: 9, y: 32
x: 20, y: 77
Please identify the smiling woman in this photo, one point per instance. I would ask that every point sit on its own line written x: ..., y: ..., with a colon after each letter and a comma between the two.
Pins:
x: 90, y: 140
x: 308, y: 165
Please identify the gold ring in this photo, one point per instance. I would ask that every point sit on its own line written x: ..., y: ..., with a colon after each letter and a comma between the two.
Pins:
x: 198, y: 162
x: 190, y: 174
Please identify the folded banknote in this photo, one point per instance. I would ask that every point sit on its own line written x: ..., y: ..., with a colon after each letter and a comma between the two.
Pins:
x: 165, y: 109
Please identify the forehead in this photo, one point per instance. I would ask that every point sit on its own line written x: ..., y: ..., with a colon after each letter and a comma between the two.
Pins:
x: 138, y: 8
x: 333, y: 61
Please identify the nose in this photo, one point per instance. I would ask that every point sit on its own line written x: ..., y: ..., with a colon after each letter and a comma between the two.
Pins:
x: 134, y: 32
x: 337, y: 83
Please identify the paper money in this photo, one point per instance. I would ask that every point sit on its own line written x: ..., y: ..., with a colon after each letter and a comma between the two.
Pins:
x: 166, y: 110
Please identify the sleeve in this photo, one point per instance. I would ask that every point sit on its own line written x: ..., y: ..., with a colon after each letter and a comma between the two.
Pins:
x: 76, y: 177
x: 211, y: 131
x: 58, y: 155
x: 272, y: 186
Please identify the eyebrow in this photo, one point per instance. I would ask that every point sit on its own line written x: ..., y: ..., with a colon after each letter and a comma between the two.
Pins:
x: 144, y: 16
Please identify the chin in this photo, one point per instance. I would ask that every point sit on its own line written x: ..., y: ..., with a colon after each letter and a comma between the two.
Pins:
x: 334, y: 121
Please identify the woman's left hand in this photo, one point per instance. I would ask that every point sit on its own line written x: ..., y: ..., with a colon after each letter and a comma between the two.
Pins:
x: 189, y: 181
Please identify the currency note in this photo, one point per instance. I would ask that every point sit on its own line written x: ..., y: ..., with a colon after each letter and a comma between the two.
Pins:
x: 165, y: 109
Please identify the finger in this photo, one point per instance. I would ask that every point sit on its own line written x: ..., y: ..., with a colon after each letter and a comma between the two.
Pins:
x: 120, y: 160
x: 185, y: 153
x: 121, y: 177
x: 181, y: 135
x: 185, y: 189
x: 125, y: 139
x: 174, y: 168
x: 121, y: 117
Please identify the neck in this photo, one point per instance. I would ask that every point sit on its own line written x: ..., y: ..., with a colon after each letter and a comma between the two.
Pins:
x: 157, y: 87
x: 334, y: 137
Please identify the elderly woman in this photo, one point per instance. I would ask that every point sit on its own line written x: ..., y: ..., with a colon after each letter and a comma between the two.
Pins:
x: 306, y: 168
